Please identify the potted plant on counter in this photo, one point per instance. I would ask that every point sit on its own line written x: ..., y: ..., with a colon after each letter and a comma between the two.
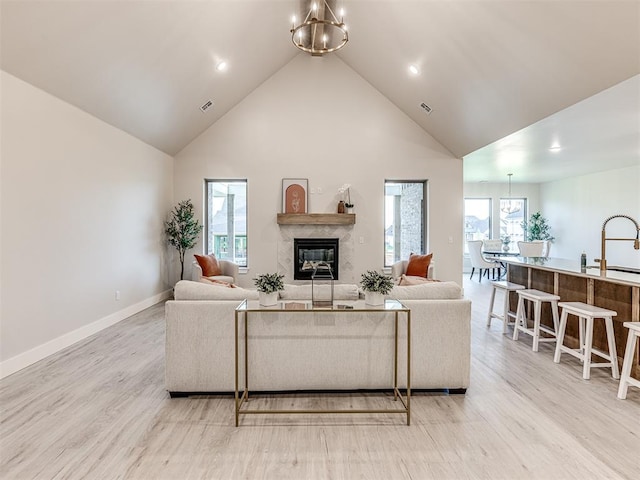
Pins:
x: 268, y: 286
x: 375, y: 286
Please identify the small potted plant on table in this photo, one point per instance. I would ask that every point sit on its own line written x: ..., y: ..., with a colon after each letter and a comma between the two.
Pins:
x: 268, y: 286
x: 375, y: 286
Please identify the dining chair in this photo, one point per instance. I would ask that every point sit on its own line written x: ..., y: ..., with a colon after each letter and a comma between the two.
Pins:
x: 531, y: 249
x: 492, y: 245
x: 478, y: 261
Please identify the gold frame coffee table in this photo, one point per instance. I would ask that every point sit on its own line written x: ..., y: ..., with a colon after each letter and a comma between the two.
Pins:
x: 300, y: 308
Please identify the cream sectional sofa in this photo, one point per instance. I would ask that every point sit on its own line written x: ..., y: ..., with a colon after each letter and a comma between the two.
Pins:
x: 317, y: 351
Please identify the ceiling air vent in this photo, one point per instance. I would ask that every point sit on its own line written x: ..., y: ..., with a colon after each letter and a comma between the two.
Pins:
x: 206, y: 106
x: 425, y: 107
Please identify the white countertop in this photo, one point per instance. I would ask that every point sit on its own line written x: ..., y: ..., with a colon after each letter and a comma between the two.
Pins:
x: 562, y: 265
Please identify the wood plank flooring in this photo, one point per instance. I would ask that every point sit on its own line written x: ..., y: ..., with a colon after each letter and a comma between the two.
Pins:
x: 99, y: 410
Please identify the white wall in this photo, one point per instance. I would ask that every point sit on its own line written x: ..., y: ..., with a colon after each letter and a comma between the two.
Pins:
x: 82, y: 207
x: 577, y: 207
x: 317, y: 119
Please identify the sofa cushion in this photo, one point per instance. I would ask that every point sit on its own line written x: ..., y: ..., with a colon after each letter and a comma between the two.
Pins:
x: 209, y: 265
x: 418, y: 265
x: 427, y: 291
x: 341, y: 291
x: 215, y: 281
x: 189, y: 290
x: 412, y: 280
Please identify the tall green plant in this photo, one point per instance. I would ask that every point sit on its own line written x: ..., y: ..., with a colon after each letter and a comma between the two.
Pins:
x: 537, y: 228
x: 182, y: 230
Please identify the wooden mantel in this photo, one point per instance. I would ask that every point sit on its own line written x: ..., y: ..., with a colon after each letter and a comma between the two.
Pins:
x: 316, y: 218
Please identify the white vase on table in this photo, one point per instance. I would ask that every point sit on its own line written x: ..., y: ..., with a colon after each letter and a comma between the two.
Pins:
x: 373, y: 298
x: 267, y: 299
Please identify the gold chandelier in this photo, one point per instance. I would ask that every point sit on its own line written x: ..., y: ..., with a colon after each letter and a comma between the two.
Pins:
x: 320, y: 31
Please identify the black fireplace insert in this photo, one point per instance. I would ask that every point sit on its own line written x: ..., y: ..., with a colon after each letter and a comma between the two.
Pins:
x: 309, y: 252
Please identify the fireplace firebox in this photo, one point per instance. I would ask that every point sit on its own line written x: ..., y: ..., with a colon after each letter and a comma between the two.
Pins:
x: 309, y: 252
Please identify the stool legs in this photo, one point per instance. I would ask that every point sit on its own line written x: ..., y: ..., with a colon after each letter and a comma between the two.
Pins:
x: 612, y: 348
x: 506, y: 311
x: 560, y: 338
x: 588, y: 341
x: 625, y: 379
x: 537, y: 311
x: 493, y: 297
x: 585, y: 350
x: 520, y: 317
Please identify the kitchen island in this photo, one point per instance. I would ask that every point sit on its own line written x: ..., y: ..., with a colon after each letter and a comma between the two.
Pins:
x: 612, y: 289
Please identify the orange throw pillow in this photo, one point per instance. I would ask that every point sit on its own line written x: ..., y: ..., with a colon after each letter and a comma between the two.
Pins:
x: 209, y: 265
x: 418, y: 265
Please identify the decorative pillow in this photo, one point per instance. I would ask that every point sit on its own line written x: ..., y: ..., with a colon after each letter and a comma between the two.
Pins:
x: 418, y: 265
x: 427, y: 291
x: 411, y: 280
x: 219, y: 283
x: 209, y: 265
x: 189, y: 290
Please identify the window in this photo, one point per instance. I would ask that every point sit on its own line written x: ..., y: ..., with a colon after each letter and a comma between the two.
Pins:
x: 477, y: 220
x: 404, y: 219
x: 226, y: 220
x: 511, y: 223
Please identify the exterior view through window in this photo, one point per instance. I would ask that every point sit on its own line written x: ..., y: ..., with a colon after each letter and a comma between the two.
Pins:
x: 477, y: 220
x: 404, y: 219
x: 226, y: 220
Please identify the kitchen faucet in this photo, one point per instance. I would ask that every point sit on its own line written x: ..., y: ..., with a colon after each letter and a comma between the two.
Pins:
x: 636, y: 241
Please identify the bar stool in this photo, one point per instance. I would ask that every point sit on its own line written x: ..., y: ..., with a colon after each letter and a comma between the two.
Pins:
x: 506, y: 287
x: 586, y: 313
x: 537, y: 298
x: 625, y: 378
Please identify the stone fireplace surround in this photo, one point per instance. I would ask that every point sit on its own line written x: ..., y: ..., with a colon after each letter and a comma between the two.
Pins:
x: 344, y: 233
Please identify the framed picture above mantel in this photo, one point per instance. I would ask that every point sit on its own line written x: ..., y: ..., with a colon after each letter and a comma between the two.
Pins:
x: 294, y: 195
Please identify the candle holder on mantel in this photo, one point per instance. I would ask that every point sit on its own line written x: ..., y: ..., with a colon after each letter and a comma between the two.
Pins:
x: 322, y: 286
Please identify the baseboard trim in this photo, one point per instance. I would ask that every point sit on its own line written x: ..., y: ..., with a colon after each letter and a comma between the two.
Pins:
x: 23, y: 360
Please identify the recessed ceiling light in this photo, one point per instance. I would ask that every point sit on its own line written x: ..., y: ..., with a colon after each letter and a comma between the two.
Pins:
x: 555, y: 147
x: 222, y: 66
x: 414, y: 70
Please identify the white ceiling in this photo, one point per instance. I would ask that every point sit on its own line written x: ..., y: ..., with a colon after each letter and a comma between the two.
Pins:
x: 488, y: 68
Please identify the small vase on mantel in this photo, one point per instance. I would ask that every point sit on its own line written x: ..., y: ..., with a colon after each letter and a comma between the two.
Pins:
x: 341, y: 206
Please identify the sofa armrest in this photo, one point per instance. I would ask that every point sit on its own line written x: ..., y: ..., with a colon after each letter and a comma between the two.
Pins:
x: 398, y: 268
x: 196, y: 271
x: 229, y: 269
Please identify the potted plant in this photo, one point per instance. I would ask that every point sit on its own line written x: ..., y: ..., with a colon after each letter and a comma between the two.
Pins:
x: 375, y: 286
x: 182, y: 230
x: 537, y: 228
x: 268, y: 286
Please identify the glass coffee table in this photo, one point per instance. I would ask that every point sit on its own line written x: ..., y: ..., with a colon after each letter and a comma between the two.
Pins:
x: 243, y: 315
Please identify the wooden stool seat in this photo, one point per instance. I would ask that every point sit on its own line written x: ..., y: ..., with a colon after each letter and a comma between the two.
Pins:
x: 586, y: 315
x: 625, y: 377
x: 506, y: 287
x: 537, y: 297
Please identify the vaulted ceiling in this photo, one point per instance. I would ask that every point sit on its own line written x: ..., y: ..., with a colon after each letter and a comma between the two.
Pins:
x: 488, y: 68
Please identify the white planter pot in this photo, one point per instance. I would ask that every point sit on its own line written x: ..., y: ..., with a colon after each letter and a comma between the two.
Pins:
x: 268, y: 299
x: 373, y: 298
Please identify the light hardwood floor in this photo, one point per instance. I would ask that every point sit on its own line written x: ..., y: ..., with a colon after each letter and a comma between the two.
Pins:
x: 98, y: 410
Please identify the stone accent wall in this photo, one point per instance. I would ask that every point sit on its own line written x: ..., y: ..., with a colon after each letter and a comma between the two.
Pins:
x: 411, y: 218
x: 344, y: 233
